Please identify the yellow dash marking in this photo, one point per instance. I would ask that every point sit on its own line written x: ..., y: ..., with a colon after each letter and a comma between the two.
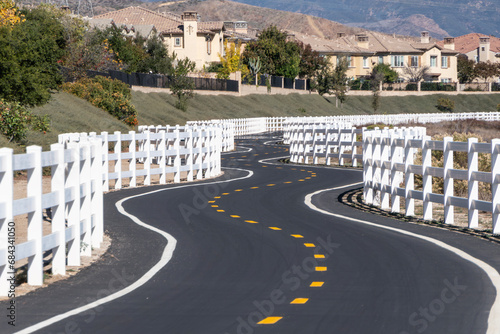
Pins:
x: 269, y: 320
x: 320, y: 268
x: 271, y: 184
x: 310, y: 171
x: 251, y: 222
x: 316, y: 284
x: 294, y: 168
x: 243, y: 156
x: 298, y: 236
x: 217, y: 197
x: 264, y: 166
x: 215, y: 206
x: 275, y: 228
x: 301, y: 180
x: 309, y: 245
x: 211, y: 201
x: 302, y: 170
x: 225, y: 194
x: 279, y: 167
x: 221, y: 211
x: 299, y: 301
x: 308, y: 178
x: 288, y: 182
x: 254, y: 188
x: 319, y: 256
x: 239, y: 190
x: 235, y: 216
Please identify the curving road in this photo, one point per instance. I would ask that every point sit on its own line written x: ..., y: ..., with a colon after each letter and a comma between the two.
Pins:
x: 249, y: 256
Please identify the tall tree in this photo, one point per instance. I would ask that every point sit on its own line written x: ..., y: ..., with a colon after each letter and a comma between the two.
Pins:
x: 278, y: 55
x: 310, y: 61
x: 331, y: 81
x: 231, y: 61
x: 465, y: 69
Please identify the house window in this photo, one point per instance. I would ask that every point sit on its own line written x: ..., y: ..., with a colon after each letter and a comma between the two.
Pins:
x: 209, y: 44
x: 445, y: 80
x: 365, y: 62
x: 414, y: 61
x: 348, y: 59
x: 397, y: 61
x: 177, y: 42
x: 380, y: 59
x: 444, y: 62
x: 482, y: 48
x: 434, y: 60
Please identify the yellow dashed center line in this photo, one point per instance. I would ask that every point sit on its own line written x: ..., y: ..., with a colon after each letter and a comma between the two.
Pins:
x: 269, y: 320
x: 271, y: 185
x: 299, y: 301
x: 309, y: 245
x: 319, y: 256
x: 316, y: 284
x: 320, y: 268
x: 235, y: 216
x: 251, y: 222
x: 224, y: 194
x: 211, y: 201
x: 217, y: 197
x: 221, y: 211
x: 308, y: 178
x: 275, y: 228
x: 264, y: 166
x: 254, y: 188
x: 239, y: 190
x: 215, y: 206
x: 298, y: 236
x: 288, y: 182
x: 301, y: 180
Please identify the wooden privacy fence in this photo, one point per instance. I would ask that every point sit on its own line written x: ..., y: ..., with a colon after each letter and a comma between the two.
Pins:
x: 388, y: 160
x: 82, y: 167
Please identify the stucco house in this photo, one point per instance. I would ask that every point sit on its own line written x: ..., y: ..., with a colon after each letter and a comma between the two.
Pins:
x: 474, y: 46
x: 365, y: 50
x: 185, y: 34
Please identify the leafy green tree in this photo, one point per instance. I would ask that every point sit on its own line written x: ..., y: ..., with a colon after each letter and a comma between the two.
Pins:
x: 277, y: 55
x: 181, y: 85
x: 332, y: 81
x: 29, y: 56
x: 384, y: 73
x: 157, y: 58
x: 486, y: 70
x: 310, y: 61
x: 465, y: 69
x: 16, y: 120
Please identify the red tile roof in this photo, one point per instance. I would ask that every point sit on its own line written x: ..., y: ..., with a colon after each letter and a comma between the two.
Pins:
x: 470, y: 42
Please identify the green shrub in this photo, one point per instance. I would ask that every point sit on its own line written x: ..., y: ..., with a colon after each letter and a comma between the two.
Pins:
x: 15, y: 120
x: 112, y: 95
x: 444, y: 104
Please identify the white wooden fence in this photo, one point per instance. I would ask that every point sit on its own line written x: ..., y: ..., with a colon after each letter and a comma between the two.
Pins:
x: 388, y: 160
x: 82, y: 168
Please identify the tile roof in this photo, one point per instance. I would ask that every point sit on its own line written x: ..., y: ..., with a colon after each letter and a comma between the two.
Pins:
x: 163, y: 22
x: 470, y: 42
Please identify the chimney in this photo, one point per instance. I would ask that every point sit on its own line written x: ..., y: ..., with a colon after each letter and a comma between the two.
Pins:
x: 484, y: 48
x: 424, y: 37
x: 449, y: 43
x: 190, y: 23
x: 241, y: 27
x: 340, y: 34
x: 362, y: 41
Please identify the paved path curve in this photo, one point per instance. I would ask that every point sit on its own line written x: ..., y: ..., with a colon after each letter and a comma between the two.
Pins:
x: 250, y: 257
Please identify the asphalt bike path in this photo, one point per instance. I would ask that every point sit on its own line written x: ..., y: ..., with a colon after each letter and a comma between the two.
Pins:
x: 245, y: 253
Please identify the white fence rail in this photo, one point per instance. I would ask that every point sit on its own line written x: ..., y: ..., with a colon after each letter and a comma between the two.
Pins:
x: 83, y: 166
x: 388, y: 160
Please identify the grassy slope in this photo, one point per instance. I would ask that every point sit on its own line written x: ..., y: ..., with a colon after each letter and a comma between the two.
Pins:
x: 71, y: 114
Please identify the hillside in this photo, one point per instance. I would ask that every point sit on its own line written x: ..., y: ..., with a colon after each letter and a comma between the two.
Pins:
x: 71, y: 114
x: 456, y: 17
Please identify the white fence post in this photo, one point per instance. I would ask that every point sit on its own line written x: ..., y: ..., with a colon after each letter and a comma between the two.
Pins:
x: 384, y: 180
x: 495, y: 184
x: 367, y: 168
x: 6, y: 215
x: 73, y: 183
x: 395, y: 158
x: 177, y: 159
x: 118, y: 162
x: 35, y: 217
x: 132, y: 164
x: 97, y: 196
x: 449, y: 215
x: 472, y: 166
x: 58, y: 220
x: 409, y: 178
x: 85, y: 213
x: 426, y: 177
x: 147, y: 161
x: 105, y: 161
x: 163, y: 157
